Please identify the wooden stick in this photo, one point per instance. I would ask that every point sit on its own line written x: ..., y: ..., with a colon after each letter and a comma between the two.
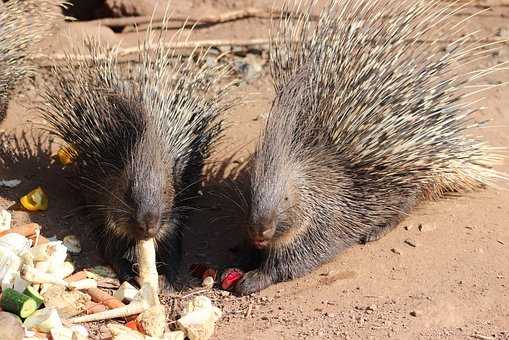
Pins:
x: 179, y: 22
x: 25, y: 230
x: 129, y: 52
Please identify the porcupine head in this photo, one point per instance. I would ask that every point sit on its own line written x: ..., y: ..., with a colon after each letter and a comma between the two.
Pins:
x: 145, y: 193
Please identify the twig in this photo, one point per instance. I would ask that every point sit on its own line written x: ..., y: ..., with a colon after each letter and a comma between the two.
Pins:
x: 128, y: 52
x: 131, y: 53
x: 179, y: 22
x: 249, y: 309
x: 481, y: 337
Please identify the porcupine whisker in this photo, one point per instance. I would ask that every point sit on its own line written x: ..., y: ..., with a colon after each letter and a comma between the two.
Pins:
x: 187, y: 187
x: 221, y: 195
x: 105, y: 190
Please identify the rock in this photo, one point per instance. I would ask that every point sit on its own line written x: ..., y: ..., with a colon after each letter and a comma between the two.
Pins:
x: 208, y: 282
x: 249, y: 67
x: 426, y: 227
x: 128, y: 8
x: 153, y: 320
x: 396, y: 251
x: 11, y: 327
x: 10, y: 183
x: 416, y: 313
x: 67, y: 303
x: 411, y: 242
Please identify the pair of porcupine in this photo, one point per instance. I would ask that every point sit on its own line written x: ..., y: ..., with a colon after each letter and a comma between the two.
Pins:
x: 366, y: 123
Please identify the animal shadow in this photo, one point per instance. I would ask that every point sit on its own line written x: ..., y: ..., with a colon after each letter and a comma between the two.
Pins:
x: 27, y: 155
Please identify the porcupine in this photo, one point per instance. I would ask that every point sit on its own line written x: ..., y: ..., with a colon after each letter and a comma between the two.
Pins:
x: 366, y: 123
x: 23, y: 23
x: 139, y: 143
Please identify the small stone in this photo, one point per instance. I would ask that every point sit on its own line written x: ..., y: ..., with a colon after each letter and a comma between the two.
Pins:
x: 11, y: 328
x: 225, y: 293
x: 408, y: 227
x: 396, y: 251
x: 208, y: 282
x: 426, y: 227
x: 501, y: 242
x: 416, y: 313
x: 411, y: 242
x: 10, y: 183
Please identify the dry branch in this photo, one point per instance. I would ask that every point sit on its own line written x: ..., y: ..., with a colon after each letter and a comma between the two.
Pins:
x: 131, y: 53
x: 177, y: 22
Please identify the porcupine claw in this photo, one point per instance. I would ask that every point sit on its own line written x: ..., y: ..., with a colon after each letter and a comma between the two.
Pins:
x: 253, y: 282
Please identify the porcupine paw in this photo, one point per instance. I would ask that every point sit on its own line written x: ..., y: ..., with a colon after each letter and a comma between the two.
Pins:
x: 252, y: 282
x: 165, y: 287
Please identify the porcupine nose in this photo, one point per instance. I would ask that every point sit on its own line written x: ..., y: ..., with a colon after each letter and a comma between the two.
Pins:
x: 148, y: 225
x: 264, y: 233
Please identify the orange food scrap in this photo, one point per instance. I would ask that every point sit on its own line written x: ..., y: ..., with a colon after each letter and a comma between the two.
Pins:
x: 35, y: 200
x: 66, y: 155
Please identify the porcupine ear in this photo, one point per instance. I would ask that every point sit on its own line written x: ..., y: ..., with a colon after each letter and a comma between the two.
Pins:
x: 23, y: 23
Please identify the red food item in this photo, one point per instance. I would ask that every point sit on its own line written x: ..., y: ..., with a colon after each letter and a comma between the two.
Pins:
x: 133, y: 325
x: 230, y: 277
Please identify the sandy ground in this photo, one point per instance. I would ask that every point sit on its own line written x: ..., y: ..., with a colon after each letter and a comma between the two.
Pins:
x: 453, y: 284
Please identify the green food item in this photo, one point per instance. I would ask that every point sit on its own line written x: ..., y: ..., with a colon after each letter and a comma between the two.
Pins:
x: 17, y: 303
x: 31, y: 292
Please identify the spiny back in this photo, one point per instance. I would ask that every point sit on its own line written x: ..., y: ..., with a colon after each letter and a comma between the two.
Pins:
x: 169, y: 101
x: 370, y: 82
x: 22, y: 24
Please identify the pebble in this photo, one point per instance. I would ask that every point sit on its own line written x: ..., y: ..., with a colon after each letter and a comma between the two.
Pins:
x: 225, y: 293
x: 208, y: 282
x: 416, y: 313
x: 396, y: 251
x: 426, y: 227
x: 411, y: 242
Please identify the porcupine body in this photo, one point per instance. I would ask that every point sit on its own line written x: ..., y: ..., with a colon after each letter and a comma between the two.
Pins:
x: 139, y: 143
x: 22, y: 24
x: 366, y: 123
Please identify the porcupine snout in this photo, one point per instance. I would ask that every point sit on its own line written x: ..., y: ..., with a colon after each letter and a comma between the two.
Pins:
x: 262, y: 231
x: 148, y: 224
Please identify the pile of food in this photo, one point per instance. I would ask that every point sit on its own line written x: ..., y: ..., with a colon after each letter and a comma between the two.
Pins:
x: 42, y: 297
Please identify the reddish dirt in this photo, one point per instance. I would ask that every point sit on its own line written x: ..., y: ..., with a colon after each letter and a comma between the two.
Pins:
x: 454, y: 284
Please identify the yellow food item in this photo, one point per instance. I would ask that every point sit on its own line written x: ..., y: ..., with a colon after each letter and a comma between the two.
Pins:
x: 66, y: 155
x: 35, y: 200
